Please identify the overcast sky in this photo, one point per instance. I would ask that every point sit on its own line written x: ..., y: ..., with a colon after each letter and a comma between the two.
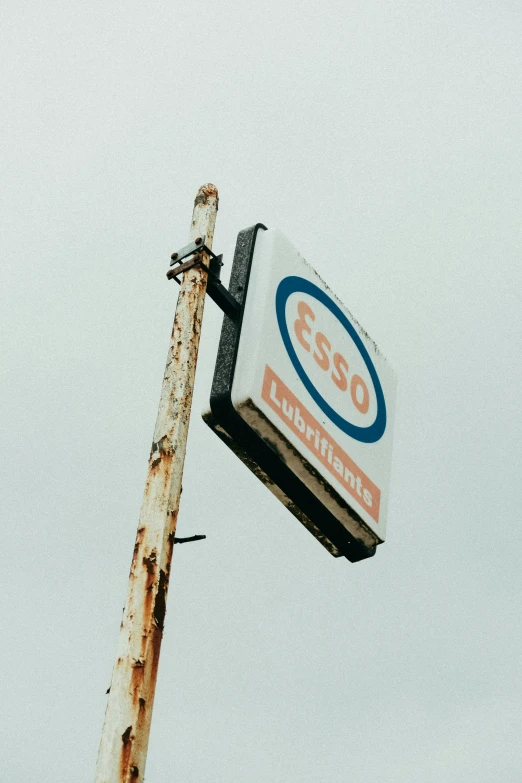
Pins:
x: 384, y: 139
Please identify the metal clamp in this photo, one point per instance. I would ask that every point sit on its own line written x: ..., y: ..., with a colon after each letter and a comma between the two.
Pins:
x: 197, y: 246
x: 215, y: 288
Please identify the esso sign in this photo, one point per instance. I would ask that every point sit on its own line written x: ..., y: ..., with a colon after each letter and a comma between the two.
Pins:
x: 330, y: 359
x: 304, y: 397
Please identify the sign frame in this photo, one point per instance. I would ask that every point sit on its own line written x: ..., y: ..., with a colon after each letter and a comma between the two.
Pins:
x: 259, y: 455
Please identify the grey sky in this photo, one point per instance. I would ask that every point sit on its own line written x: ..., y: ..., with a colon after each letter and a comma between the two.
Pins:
x: 392, y: 125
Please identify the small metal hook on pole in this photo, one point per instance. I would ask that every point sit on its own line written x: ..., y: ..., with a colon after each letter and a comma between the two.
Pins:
x: 190, y: 538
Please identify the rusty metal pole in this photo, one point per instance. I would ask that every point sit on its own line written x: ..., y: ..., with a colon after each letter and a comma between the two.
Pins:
x: 125, y: 735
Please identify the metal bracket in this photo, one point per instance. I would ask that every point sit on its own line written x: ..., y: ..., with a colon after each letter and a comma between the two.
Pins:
x: 215, y: 288
x: 197, y: 246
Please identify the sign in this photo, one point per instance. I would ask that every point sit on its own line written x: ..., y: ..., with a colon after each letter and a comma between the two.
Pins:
x: 304, y: 397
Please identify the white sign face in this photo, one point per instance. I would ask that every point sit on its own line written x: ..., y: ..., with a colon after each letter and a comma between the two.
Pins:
x: 310, y: 382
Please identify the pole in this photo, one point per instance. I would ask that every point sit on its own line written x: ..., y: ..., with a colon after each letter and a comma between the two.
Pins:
x: 125, y: 736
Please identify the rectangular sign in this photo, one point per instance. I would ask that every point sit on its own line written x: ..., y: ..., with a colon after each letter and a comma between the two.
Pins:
x: 304, y: 397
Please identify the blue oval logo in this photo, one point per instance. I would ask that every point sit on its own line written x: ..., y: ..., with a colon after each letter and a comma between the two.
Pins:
x: 293, y: 284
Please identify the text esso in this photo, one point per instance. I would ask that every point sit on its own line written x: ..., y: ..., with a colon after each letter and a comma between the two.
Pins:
x: 322, y: 353
x: 330, y: 359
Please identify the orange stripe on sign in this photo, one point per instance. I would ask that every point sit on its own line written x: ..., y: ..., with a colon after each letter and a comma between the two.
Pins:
x: 294, y: 414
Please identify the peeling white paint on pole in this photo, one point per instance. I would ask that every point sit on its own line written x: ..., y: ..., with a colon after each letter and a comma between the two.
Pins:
x: 125, y: 735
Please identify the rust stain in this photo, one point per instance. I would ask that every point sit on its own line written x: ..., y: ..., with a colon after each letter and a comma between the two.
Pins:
x: 147, y: 607
x: 150, y: 562
x: 139, y: 539
x: 164, y: 446
x: 160, y: 451
x: 125, y: 752
x: 205, y: 192
x: 170, y: 543
x: 136, y: 683
x: 160, y: 604
x: 143, y: 650
x: 168, y: 472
